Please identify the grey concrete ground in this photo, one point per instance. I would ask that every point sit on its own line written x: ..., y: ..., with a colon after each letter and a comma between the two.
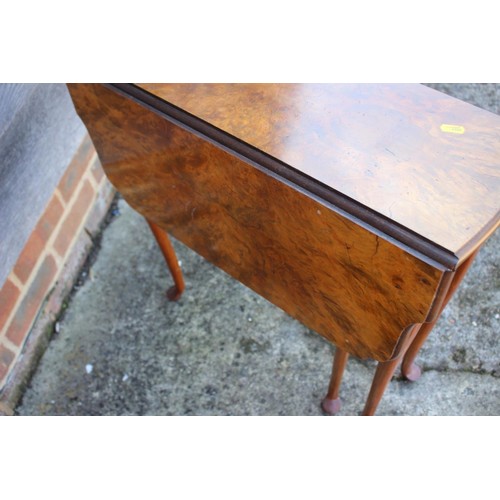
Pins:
x: 123, y: 349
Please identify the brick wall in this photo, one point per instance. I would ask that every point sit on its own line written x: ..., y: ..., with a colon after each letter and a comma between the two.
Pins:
x: 61, y: 239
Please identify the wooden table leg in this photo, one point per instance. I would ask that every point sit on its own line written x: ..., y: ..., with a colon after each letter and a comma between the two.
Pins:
x: 409, y: 369
x: 382, y: 377
x: 168, y: 252
x: 331, y: 404
x: 385, y: 371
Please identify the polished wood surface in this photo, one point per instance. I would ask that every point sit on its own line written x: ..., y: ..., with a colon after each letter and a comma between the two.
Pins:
x: 424, y: 160
x: 355, y: 288
x: 356, y: 209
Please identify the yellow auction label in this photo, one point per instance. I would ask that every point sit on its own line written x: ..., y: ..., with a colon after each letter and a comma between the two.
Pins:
x: 452, y: 129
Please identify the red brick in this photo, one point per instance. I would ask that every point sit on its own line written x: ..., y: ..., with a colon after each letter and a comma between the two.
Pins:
x: 71, y: 178
x: 97, y: 171
x: 67, y: 232
x: 36, y: 242
x: 9, y: 294
x: 32, y: 301
x: 48, y: 221
x: 6, y: 358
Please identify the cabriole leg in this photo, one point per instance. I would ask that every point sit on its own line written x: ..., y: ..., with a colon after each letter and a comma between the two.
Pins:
x: 331, y: 404
x: 384, y: 372
x: 409, y: 369
x: 168, y: 252
x: 382, y: 377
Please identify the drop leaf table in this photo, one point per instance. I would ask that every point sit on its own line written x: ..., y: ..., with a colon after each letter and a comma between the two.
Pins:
x: 357, y: 209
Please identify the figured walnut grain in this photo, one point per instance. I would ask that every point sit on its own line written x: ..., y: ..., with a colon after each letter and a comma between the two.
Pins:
x: 382, y: 145
x: 351, y: 286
